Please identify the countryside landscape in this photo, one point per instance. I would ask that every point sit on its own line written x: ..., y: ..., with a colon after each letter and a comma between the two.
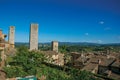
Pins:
x: 60, y: 40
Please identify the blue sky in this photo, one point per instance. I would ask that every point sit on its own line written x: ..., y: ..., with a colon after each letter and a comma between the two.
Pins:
x: 63, y: 20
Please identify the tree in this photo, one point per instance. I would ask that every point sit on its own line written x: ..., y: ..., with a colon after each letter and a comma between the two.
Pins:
x: 14, y: 71
x: 63, y: 49
x: 28, y: 62
x: 25, y: 60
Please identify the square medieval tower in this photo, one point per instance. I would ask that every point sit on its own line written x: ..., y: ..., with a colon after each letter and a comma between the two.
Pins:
x: 55, y: 46
x: 11, y: 36
x: 33, y: 37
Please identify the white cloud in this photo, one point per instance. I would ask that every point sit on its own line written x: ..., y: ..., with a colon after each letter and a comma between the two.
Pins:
x: 101, y: 22
x: 86, y: 34
x: 93, y: 41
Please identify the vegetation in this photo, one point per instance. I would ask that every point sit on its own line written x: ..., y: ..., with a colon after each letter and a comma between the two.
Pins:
x: 77, y: 47
x: 27, y: 62
x: 87, y: 49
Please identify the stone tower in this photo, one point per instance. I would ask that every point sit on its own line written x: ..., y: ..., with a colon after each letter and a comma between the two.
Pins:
x: 55, y: 46
x: 2, y: 36
x: 2, y: 40
x: 11, y: 36
x: 33, y: 37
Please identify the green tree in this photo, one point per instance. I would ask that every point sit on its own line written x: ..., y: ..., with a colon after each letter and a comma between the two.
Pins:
x: 27, y: 61
x: 63, y: 49
x: 14, y: 71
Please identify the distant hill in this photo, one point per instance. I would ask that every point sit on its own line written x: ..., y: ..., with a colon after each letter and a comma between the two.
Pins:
x: 79, y: 43
x: 71, y: 44
x: 89, y: 44
x: 112, y: 44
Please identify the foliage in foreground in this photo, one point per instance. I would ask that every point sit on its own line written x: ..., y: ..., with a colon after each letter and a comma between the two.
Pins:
x: 30, y: 63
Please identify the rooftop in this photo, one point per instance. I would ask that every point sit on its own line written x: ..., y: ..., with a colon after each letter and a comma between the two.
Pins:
x: 107, y: 62
x: 116, y: 63
x: 49, y: 53
x: 90, y: 67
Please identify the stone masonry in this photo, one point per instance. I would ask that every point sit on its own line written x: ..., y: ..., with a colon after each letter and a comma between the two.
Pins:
x: 11, y: 36
x: 55, y: 46
x: 33, y: 37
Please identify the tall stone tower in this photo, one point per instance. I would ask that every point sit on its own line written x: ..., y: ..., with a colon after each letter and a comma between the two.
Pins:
x: 11, y: 36
x: 55, y: 46
x: 33, y: 37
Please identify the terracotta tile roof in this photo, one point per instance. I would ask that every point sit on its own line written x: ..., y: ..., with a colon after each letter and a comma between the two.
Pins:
x: 116, y: 63
x: 107, y: 62
x: 115, y: 76
x: 90, y: 67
